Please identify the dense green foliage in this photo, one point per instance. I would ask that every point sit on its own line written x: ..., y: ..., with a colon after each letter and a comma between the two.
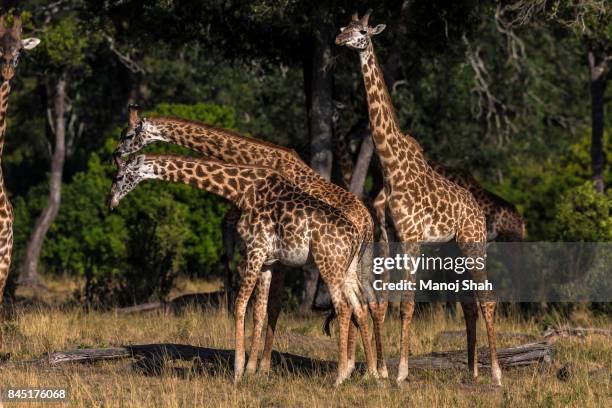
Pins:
x: 544, y: 189
x: 583, y: 215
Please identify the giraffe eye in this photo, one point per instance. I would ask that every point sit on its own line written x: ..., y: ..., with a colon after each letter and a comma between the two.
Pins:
x: 363, y: 32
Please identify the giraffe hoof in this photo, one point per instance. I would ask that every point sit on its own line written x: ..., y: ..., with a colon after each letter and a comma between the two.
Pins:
x: 496, y: 377
x: 383, y: 373
x: 263, y: 370
x: 372, y: 375
x: 402, y: 374
x: 340, y: 379
x: 237, y: 378
x: 4, y: 357
x: 351, y: 368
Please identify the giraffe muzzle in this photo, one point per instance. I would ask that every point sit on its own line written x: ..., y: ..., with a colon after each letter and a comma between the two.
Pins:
x: 117, y: 159
x: 341, y: 39
x: 113, y: 203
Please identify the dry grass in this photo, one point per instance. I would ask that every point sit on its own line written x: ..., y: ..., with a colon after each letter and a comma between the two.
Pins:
x: 40, y: 330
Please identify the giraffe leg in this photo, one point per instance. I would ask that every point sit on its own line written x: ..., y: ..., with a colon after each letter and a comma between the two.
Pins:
x: 259, y: 315
x: 344, y: 318
x: 228, y: 236
x: 379, y: 312
x: 5, y: 264
x: 274, y: 307
x: 487, y: 304
x: 488, y: 311
x: 3, y: 278
x: 311, y: 274
x: 377, y: 302
x: 352, y: 346
x: 470, y: 312
x: 406, y: 312
x: 255, y: 260
x: 361, y: 315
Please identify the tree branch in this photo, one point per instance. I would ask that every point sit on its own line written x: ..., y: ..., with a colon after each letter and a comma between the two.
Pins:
x: 123, y: 58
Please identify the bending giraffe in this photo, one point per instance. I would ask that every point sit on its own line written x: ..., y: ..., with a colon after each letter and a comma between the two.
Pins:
x: 423, y: 205
x: 231, y: 147
x: 279, y: 223
x: 11, y: 46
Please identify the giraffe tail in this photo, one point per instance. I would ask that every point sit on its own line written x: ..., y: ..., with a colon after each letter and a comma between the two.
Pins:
x: 352, y: 288
x: 328, y: 322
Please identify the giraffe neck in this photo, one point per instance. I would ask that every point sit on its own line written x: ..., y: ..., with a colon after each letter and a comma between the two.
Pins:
x: 237, y: 183
x: 236, y: 149
x: 223, y: 144
x: 391, y: 144
x: 343, y: 156
x: 5, y: 88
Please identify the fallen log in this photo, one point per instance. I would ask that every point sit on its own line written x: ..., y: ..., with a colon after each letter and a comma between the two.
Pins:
x: 551, y: 333
x: 155, y: 356
x: 450, y: 335
x: 179, y: 303
x: 517, y: 356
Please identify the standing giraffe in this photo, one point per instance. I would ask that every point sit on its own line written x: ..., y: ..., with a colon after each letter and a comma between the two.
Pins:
x: 423, y: 205
x: 279, y: 222
x: 231, y: 147
x: 11, y: 46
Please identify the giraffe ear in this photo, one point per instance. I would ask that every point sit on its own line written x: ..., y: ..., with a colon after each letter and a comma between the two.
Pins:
x: 30, y: 43
x: 378, y: 29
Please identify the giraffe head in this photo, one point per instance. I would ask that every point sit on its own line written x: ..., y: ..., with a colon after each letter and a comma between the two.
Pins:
x: 127, y: 178
x: 357, y: 35
x: 11, y: 45
x: 139, y: 133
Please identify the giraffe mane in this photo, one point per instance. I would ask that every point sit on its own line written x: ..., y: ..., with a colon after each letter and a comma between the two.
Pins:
x: 183, y: 157
x: 230, y: 132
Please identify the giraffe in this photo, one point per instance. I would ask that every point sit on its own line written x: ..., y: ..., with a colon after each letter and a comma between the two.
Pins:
x: 279, y: 223
x: 424, y: 206
x: 11, y: 46
x: 231, y: 147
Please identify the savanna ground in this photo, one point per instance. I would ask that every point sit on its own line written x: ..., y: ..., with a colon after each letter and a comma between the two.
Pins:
x: 37, y: 329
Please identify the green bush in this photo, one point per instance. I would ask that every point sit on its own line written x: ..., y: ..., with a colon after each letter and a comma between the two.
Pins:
x: 133, y: 254
x: 583, y: 215
x: 536, y: 187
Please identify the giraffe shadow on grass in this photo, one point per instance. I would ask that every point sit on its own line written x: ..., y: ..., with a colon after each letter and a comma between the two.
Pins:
x: 158, y: 359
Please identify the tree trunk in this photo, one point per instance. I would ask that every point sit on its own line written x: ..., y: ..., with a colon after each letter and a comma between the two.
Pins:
x: 598, y: 88
x: 360, y: 170
x: 29, y: 272
x: 318, y: 82
x: 320, y: 108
